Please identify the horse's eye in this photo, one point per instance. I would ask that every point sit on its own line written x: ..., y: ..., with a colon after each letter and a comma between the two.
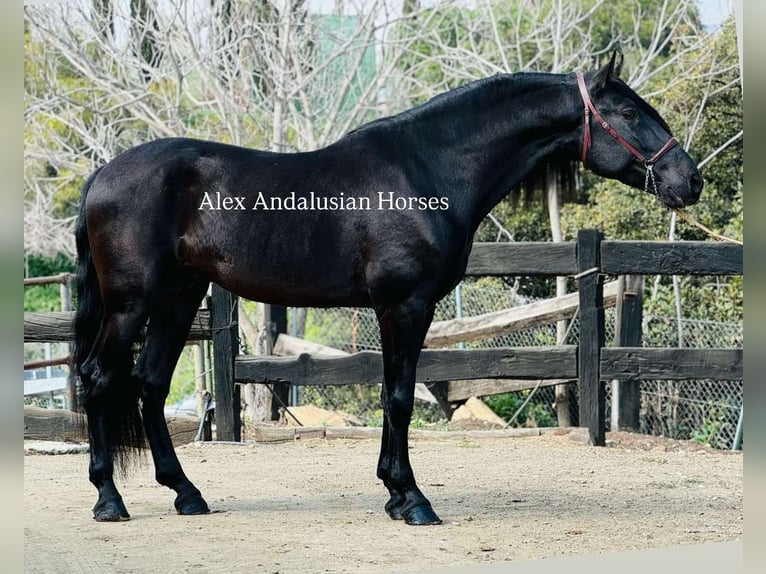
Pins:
x: 629, y: 114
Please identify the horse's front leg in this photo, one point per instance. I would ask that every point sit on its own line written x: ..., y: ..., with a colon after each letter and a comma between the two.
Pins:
x: 402, y: 330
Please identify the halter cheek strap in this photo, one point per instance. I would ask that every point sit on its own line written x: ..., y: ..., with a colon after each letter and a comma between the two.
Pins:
x: 590, y: 109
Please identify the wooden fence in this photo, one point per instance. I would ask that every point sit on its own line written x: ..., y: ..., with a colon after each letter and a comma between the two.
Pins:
x: 52, y: 386
x: 590, y: 362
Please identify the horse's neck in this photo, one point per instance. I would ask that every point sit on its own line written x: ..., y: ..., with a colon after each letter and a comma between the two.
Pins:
x: 494, y: 146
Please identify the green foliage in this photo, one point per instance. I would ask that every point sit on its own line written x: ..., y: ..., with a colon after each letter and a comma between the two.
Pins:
x: 44, y: 297
x: 326, y: 327
x: 375, y: 418
x: 703, y: 298
x: 519, y: 36
x: 183, y: 382
x: 722, y: 117
x: 721, y: 205
x: 619, y: 211
x: 446, y: 29
x: 526, y: 219
x: 710, y: 428
x: 531, y: 416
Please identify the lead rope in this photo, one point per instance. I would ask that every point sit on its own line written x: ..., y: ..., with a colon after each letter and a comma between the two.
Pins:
x: 283, y: 406
x: 689, y: 218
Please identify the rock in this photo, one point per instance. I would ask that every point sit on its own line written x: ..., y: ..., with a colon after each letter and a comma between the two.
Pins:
x: 311, y: 416
x: 475, y: 414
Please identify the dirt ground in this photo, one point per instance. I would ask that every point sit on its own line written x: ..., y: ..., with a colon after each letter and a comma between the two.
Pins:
x: 316, y: 506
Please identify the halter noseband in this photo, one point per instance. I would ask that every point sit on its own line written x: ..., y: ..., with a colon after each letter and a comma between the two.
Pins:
x: 586, y: 140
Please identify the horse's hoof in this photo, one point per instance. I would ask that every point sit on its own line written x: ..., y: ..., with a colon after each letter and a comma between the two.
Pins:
x: 394, y: 507
x: 191, y: 504
x: 110, y: 511
x: 422, y: 515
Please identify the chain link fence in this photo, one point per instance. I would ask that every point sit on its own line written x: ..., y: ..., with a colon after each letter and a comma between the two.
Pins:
x: 703, y: 410
x: 54, y: 399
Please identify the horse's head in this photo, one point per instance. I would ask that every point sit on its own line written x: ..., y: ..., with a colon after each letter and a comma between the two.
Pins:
x: 624, y: 138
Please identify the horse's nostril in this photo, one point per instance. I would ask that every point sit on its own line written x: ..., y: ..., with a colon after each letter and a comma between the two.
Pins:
x: 692, y: 200
x: 696, y: 183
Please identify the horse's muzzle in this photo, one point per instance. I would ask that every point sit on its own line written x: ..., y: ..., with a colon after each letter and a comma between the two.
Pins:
x: 695, y: 189
x: 684, y: 195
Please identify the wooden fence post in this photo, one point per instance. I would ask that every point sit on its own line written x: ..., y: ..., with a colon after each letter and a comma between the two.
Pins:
x: 65, y: 293
x: 224, y: 323
x: 590, y: 286
x: 626, y: 395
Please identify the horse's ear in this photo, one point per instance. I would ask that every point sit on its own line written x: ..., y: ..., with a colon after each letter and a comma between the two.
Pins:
x: 609, y: 71
x: 618, y: 56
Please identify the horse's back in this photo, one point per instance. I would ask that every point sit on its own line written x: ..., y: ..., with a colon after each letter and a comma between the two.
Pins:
x: 189, y: 203
x: 167, y: 200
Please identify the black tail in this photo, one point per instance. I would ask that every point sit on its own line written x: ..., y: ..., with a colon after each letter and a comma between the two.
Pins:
x: 118, y: 407
x: 87, y: 318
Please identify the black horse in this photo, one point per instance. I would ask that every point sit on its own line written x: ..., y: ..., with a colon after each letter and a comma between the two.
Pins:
x: 387, y: 220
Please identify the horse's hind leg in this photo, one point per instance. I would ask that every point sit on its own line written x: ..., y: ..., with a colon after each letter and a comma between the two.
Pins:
x: 111, y: 403
x: 168, y: 329
x: 403, y: 329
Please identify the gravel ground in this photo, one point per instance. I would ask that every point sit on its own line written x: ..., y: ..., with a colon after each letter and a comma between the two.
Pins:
x: 316, y: 506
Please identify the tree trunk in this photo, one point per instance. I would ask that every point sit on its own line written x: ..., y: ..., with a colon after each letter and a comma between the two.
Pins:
x: 554, y: 213
x: 257, y: 397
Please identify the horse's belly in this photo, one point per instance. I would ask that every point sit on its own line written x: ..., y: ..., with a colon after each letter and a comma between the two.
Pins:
x: 306, y: 282
x: 283, y: 261
x: 291, y: 293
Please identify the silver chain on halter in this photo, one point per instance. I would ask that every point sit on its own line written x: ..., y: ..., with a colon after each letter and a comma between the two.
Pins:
x: 650, y: 176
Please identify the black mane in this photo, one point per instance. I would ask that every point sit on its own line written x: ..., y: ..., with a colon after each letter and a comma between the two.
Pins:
x: 481, y: 92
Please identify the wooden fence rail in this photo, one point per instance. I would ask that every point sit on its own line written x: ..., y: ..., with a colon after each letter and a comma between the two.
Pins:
x: 671, y: 258
x: 627, y: 363
x: 496, y: 323
x: 58, y: 326
x: 528, y: 258
x: 60, y: 279
x: 591, y: 363
x: 366, y: 367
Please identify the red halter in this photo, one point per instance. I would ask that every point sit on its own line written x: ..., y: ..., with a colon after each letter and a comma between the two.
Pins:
x: 591, y: 109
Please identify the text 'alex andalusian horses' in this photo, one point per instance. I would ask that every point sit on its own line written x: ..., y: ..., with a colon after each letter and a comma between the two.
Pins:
x: 383, y: 218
